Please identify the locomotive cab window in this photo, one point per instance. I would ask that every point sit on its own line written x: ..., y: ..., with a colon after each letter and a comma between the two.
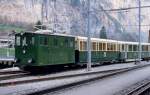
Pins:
x: 18, y: 41
x: 24, y: 41
x: 32, y: 40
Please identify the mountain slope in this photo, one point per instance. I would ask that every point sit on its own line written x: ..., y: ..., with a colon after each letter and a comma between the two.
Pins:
x: 70, y: 16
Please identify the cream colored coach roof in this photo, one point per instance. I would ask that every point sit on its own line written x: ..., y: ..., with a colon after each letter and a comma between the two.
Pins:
x: 108, y: 40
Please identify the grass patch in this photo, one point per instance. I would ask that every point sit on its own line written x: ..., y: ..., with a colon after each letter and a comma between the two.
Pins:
x: 10, y: 28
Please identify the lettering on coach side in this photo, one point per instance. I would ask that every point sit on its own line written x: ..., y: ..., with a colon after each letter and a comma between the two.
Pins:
x: 104, y: 54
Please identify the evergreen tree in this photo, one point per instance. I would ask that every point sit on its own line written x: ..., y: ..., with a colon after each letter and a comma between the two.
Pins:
x: 39, y: 25
x: 103, y: 34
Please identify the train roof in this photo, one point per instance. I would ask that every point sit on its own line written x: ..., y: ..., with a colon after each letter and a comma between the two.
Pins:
x: 5, y: 39
x: 112, y: 41
x: 47, y: 32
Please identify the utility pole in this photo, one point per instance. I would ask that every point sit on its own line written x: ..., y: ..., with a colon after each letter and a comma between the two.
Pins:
x: 139, y: 56
x: 89, y: 40
x: 55, y: 16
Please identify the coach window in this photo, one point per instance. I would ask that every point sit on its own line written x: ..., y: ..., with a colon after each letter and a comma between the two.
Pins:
x: 130, y: 47
x: 144, y: 48
x: 123, y: 47
x: 134, y: 47
x: 81, y: 45
x: 108, y: 46
x: 100, y: 46
x: 118, y: 47
x: 93, y: 46
x: 104, y: 46
x: 112, y: 47
x: 84, y: 45
x: 148, y: 47
x: 18, y: 41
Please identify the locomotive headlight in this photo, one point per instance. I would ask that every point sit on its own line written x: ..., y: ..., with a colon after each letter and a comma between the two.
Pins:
x: 30, y: 60
x: 24, y: 51
x: 15, y: 60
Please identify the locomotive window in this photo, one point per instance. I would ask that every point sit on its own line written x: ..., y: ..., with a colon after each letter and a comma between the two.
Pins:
x: 18, y: 41
x: 71, y: 43
x: 66, y: 42
x: 24, y: 41
x: 43, y: 41
x: 55, y: 42
x: 32, y: 40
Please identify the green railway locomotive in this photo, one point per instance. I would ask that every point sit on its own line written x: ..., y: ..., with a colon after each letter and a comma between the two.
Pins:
x: 37, y: 50
x: 44, y: 49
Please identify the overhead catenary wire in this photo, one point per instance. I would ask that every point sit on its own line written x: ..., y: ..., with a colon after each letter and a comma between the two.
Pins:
x: 122, y: 9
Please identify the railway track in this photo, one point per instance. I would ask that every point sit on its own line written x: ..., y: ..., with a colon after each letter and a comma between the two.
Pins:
x: 9, y: 74
x: 137, y: 89
x: 46, y: 78
x: 86, y: 77
x: 12, y: 75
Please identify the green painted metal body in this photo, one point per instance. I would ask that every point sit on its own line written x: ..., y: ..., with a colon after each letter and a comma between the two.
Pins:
x: 52, y: 51
x: 7, y: 52
x: 99, y: 56
x: 134, y: 55
x: 108, y: 56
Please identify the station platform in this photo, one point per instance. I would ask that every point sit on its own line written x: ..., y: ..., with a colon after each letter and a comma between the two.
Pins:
x: 7, y: 61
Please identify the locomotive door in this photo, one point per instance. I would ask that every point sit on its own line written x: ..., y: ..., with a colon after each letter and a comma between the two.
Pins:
x: 43, y: 50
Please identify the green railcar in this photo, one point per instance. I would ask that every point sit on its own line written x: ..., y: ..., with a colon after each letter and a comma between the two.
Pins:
x: 35, y: 49
x: 99, y: 56
x: 7, y: 52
